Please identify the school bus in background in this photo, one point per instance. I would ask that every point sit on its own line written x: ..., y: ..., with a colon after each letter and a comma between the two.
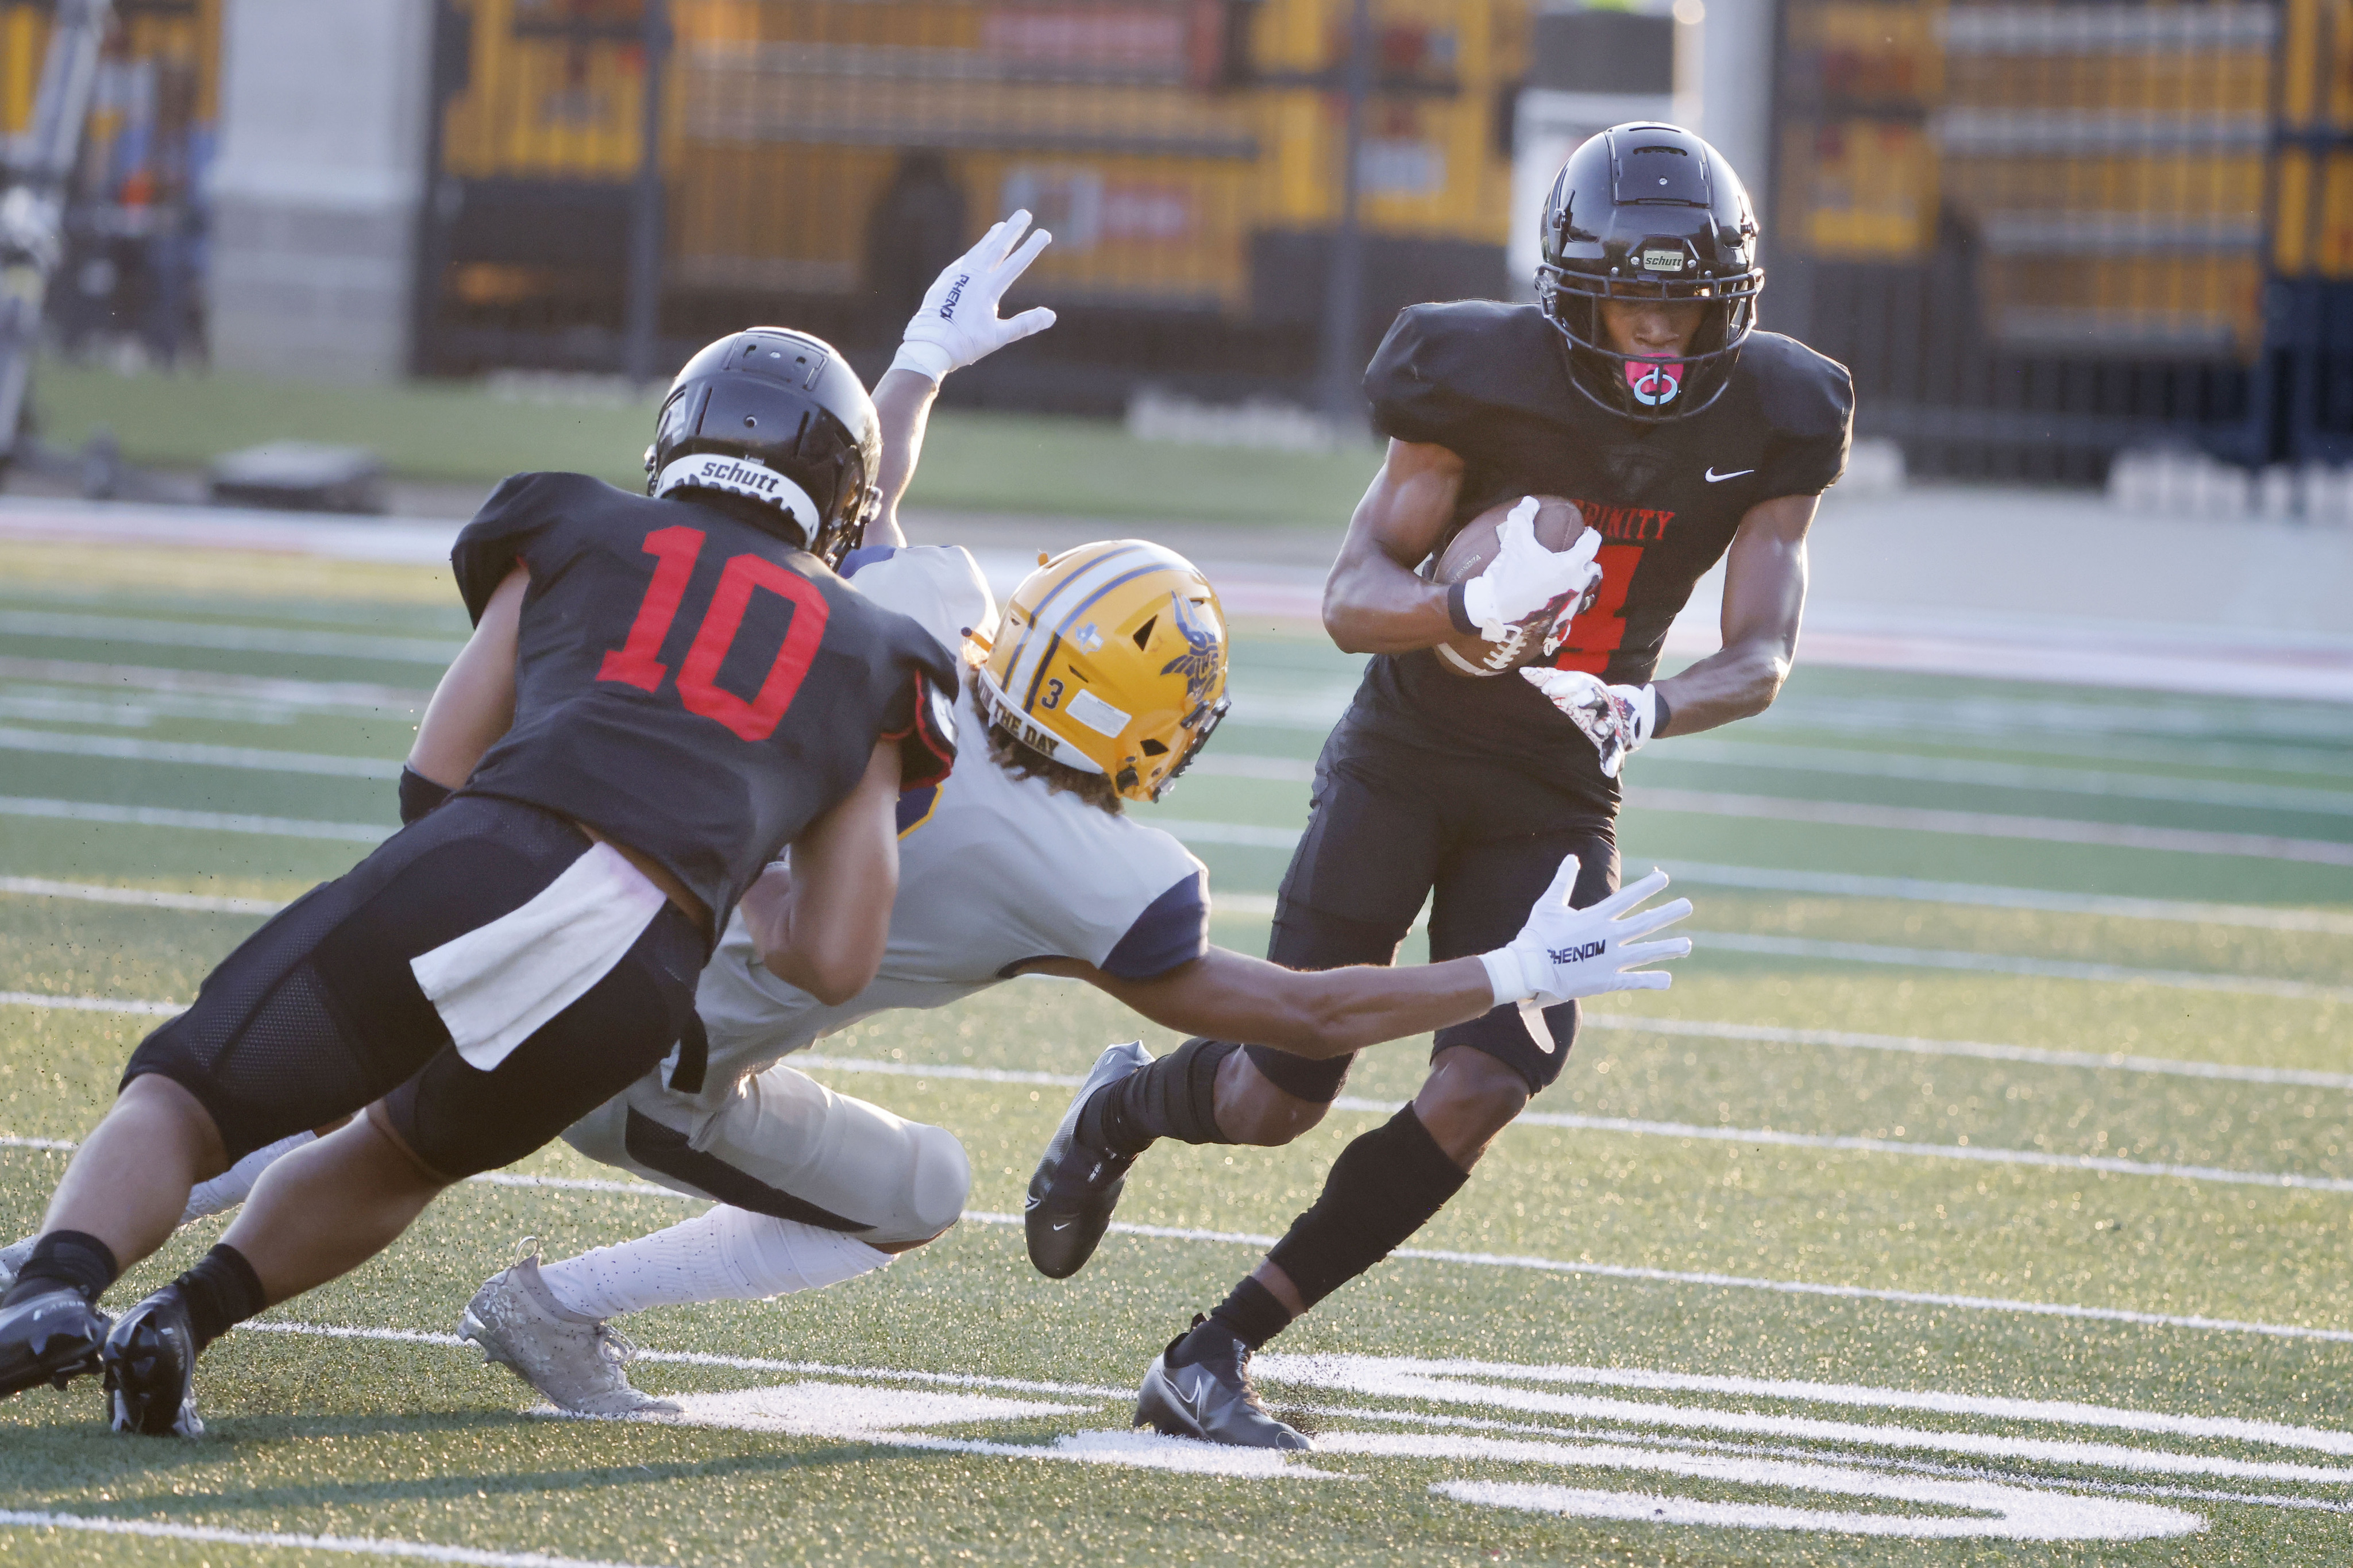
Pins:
x: 827, y: 156
x: 2106, y: 163
x: 136, y: 214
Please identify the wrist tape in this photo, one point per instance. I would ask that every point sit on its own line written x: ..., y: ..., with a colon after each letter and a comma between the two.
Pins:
x: 1506, y: 975
x: 929, y: 360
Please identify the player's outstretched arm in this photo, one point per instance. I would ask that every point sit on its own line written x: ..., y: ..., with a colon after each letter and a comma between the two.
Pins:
x: 1559, y: 955
x: 473, y: 705
x: 822, y: 926
x: 956, y: 325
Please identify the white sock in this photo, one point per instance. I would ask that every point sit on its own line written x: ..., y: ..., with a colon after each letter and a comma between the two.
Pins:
x: 229, y: 1188
x: 725, y: 1255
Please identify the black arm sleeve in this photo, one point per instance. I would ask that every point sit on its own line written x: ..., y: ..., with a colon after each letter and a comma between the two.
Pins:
x: 418, y: 795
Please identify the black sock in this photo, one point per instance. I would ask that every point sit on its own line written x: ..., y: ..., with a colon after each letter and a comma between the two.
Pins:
x: 222, y: 1292
x: 1383, y: 1186
x: 1252, y: 1313
x: 1175, y: 1097
x: 69, y: 1258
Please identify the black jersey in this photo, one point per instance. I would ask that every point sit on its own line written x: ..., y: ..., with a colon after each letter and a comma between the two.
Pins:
x: 1490, y: 383
x: 688, y: 684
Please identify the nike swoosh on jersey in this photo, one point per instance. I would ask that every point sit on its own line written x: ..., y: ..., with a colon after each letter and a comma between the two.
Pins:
x: 1715, y: 478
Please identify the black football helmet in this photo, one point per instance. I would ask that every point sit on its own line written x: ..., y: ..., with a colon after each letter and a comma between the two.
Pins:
x: 1650, y: 212
x: 777, y: 417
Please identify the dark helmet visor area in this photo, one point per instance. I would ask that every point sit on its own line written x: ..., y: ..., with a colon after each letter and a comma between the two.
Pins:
x: 1648, y: 387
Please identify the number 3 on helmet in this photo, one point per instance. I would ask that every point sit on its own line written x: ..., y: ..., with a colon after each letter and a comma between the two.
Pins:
x: 1111, y: 659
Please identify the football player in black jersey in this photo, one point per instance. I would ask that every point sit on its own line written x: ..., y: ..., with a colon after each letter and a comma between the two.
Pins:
x: 663, y: 692
x: 1638, y: 386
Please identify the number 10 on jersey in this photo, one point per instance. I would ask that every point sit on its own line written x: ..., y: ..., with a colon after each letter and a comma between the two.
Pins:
x: 637, y: 662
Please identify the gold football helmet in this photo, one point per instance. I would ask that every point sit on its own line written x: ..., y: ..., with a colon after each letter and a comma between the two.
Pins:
x: 1111, y: 659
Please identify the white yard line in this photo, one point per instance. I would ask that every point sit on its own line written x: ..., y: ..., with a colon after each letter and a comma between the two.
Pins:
x: 1764, y: 1135
x: 187, y: 753
x: 1488, y: 1260
x: 195, y: 821
x: 2005, y: 964
x: 1639, y: 1128
x: 1901, y: 819
x: 226, y: 636
x: 91, y: 1004
x: 145, y: 897
x: 361, y: 1545
x: 282, y: 691
x: 1914, y: 1045
x: 2106, y: 784
x: 1908, y: 766
x: 1913, y: 890
x: 1990, y: 824
x: 700, y: 1358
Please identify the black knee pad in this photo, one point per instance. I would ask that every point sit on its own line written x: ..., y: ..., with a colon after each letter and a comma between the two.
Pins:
x: 1309, y: 938
x: 1533, y: 1044
x: 1314, y: 1078
x: 1383, y: 1186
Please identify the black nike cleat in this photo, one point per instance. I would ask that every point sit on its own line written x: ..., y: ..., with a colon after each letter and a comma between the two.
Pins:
x: 1210, y: 1397
x: 53, y: 1336
x: 1077, y: 1185
x: 151, y: 1369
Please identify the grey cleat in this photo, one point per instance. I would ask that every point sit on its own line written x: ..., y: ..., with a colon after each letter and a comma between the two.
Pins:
x: 12, y: 1261
x: 1210, y: 1397
x: 1077, y: 1186
x: 576, y: 1363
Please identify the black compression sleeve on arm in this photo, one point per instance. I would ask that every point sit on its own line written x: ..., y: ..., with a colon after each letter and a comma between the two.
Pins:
x: 1660, y: 713
x: 418, y: 795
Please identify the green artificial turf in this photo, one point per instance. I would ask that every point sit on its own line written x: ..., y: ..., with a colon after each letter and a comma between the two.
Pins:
x: 464, y: 431
x: 1673, y: 1206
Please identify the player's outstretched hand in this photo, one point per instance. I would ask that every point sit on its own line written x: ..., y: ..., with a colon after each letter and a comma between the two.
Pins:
x: 1563, y: 953
x: 1524, y: 577
x: 1615, y: 718
x: 958, y: 324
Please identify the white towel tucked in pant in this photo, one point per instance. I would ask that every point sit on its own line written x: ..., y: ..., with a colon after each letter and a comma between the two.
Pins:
x: 496, y: 984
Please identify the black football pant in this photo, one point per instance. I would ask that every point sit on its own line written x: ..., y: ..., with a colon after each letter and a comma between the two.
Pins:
x: 1390, y: 825
x: 317, y: 1014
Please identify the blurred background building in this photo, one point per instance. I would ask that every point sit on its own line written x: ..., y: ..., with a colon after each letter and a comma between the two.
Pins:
x: 2040, y: 234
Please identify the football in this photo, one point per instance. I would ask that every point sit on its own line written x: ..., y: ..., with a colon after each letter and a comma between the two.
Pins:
x: 1558, y: 523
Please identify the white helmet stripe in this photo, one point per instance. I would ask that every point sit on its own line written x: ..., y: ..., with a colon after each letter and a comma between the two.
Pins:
x: 1053, y: 615
x: 743, y: 477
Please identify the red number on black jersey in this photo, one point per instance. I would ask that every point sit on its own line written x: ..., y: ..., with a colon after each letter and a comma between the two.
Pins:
x: 635, y: 663
x: 1594, y: 636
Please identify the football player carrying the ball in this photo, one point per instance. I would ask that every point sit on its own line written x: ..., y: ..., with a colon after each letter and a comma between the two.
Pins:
x: 1638, y: 387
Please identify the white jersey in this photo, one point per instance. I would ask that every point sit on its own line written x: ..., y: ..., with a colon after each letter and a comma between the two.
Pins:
x: 994, y: 871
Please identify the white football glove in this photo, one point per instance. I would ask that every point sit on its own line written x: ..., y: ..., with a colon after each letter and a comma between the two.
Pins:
x: 1563, y: 953
x: 1524, y: 577
x: 958, y: 322
x: 1616, y: 719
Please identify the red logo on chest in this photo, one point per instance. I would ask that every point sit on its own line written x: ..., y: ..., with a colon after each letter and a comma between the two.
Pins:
x: 1630, y: 524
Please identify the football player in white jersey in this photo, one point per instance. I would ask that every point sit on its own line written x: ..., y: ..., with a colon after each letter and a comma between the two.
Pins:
x: 1105, y: 677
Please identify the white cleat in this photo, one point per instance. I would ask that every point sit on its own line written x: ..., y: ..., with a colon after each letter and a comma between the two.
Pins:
x: 12, y: 1261
x: 577, y: 1365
